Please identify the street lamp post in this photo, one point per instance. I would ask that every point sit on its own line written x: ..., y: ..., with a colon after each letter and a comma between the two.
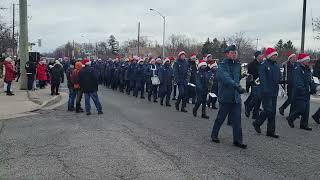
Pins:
x: 164, y: 32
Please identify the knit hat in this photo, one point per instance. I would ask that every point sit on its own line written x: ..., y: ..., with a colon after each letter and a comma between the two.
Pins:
x: 202, y: 63
x: 270, y: 52
x: 181, y: 53
x: 86, y: 62
x: 291, y: 55
x: 303, y: 58
x: 166, y: 60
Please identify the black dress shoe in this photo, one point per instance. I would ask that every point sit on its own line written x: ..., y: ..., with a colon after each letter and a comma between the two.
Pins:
x: 168, y: 105
x: 272, y: 135
x: 240, y: 145
x: 256, y: 127
x: 155, y: 101
x: 88, y: 113
x: 161, y: 103
x: 174, y: 99
x: 215, y: 139
x: 281, y: 111
x: 306, y: 128
x: 100, y: 112
x: 142, y: 97
x: 316, y: 119
x: 177, y: 107
x: 204, y: 116
x: 214, y: 107
x: 183, y: 110
x: 291, y: 124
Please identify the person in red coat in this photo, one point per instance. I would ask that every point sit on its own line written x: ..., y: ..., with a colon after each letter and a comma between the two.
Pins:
x: 42, y: 73
x: 10, y: 74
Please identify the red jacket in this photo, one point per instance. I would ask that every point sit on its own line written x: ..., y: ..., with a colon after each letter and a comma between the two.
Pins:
x: 42, y: 72
x: 10, y: 74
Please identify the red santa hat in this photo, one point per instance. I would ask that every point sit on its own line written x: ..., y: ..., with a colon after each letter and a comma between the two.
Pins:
x: 86, y: 62
x: 303, y: 57
x: 158, y: 60
x: 202, y: 63
x: 8, y: 59
x: 208, y: 55
x: 213, y: 65
x: 181, y: 53
x: 166, y: 60
x: 193, y: 56
x: 270, y: 52
x: 172, y: 59
x: 291, y: 55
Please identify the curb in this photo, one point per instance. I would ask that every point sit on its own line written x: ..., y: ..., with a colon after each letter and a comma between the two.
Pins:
x: 50, y: 102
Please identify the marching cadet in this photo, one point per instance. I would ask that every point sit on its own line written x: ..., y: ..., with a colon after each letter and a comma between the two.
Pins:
x: 122, y: 73
x: 126, y: 75
x: 115, y: 74
x: 108, y: 75
x: 153, y: 72
x: 192, y: 78
x: 180, y: 70
x: 253, y: 102
x: 228, y: 75
x: 172, y: 59
x: 269, y: 75
x: 139, y: 77
x: 166, y: 78
x: 212, y: 71
x: 202, y: 80
x: 302, y: 87
x: 290, y: 66
x: 131, y: 74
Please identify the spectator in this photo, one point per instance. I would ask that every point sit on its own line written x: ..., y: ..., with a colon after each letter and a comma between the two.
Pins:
x: 57, y: 77
x: 76, y: 86
x: 9, y: 74
x: 42, y: 73
x: 88, y: 81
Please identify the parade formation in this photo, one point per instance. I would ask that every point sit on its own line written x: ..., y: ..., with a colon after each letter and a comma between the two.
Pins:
x: 202, y: 83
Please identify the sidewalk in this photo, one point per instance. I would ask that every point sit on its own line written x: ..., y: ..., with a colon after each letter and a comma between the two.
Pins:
x: 23, y: 102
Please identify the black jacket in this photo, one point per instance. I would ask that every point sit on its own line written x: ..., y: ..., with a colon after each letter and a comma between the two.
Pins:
x: 57, y: 73
x: 253, y: 69
x: 88, y: 80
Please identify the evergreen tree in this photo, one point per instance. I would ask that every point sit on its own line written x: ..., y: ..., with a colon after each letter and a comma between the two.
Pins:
x: 207, y: 47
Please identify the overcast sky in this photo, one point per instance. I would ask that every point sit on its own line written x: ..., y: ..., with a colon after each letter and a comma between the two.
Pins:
x: 58, y: 21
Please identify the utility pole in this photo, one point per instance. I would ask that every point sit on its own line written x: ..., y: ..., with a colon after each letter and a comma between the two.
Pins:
x: 13, y: 29
x: 139, y: 39
x: 303, y: 25
x: 164, y: 32
x: 23, y: 42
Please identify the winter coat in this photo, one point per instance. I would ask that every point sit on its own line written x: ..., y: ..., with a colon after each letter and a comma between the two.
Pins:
x: 302, y: 84
x: 42, y: 72
x: 228, y: 75
x: 269, y: 75
x: 139, y: 72
x: 88, y: 80
x: 57, y: 73
x: 75, y: 75
x: 202, y: 80
x: 10, y: 74
x: 180, y: 70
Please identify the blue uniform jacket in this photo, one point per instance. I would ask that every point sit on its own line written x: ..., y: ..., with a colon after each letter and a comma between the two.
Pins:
x: 269, y: 75
x: 165, y: 75
x: 180, y: 71
x: 301, y: 83
x: 228, y: 75
x: 131, y: 71
x: 139, y: 72
x: 202, y: 79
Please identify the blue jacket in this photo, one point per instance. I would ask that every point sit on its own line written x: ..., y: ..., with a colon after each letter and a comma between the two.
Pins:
x: 180, y: 71
x: 202, y: 80
x: 228, y: 75
x: 212, y: 73
x: 301, y: 83
x: 165, y: 75
x: 139, y: 72
x: 269, y: 75
x: 131, y: 71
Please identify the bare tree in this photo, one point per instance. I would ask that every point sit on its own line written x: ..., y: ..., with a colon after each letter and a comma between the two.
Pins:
x: 244, y: 45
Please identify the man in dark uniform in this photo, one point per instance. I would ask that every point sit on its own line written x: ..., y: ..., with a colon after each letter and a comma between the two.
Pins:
x: 269, y: 75
x: 289, y: 69
x: 212, y: 71
x: 253, y: 102
x: 202, y: 80
x: 302, y: 87
x: 31, y: 72
x: 228, y: 75
x: 122, y: 73
x: 166, y: 78
x: 192, y: 78
x: 139, y: 78
x: 180, y: 70
x: 131, y: 74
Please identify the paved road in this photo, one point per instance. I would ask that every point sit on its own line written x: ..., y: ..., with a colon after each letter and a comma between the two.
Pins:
x: 136, y: 139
